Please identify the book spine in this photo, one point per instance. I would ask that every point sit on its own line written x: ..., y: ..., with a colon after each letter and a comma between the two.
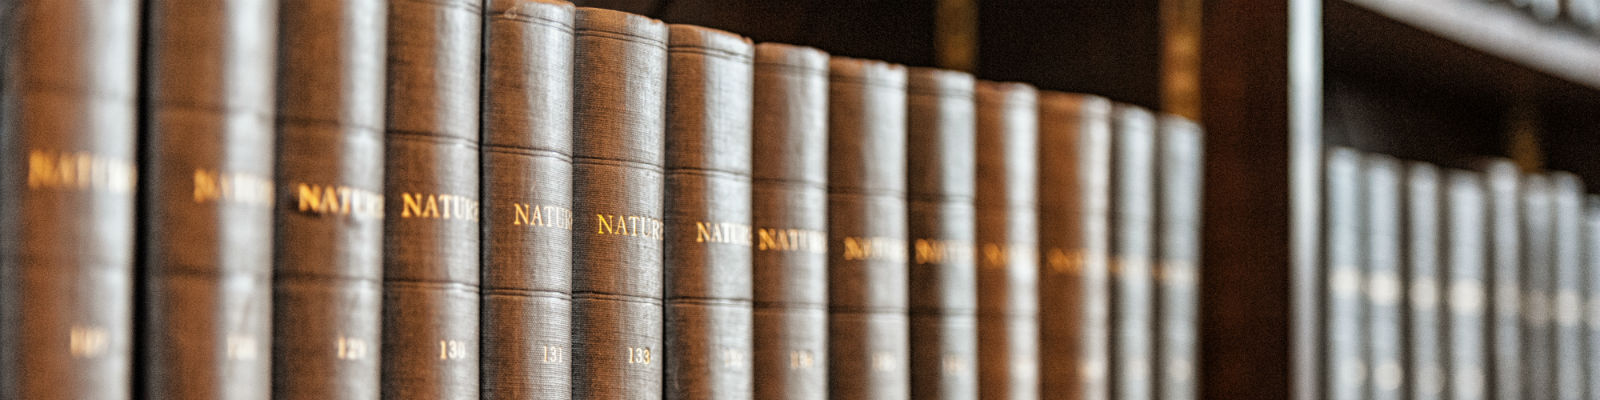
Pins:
x: 527, y: 197
x: 1132, y: 251
x: 1505, y: 258
x: 868, y: 326
x: 431, y: 277
x: 1591, y: 286
x: 67, y: 145
x: 941, y: 135
x: 1424, y: 322
x: 619, y: 63
x: 1466, y: 251
x: 1182, y: 151
x: 328, y: 242
x: 1074, y: 239
x: 790, y: 125
x: 206, y: 207
x: 1566, y: 306
x: 708, y: 214
x: 1537, y: 267
x: 1008, y: 239
x: 1346, y: 365
x: 1384, y: 325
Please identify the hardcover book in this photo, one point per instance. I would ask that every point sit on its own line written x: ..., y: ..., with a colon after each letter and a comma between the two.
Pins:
x: 68, y: 141
x: 868, y: 253
x: 431, y: 239
x: 790, y: 272
x: 206, y: 217
x: 619, y: 63
x: 1132, y: 252
x: 941, y: 159
x: 1505, y: 258
x: 328, y: 242
x: 1074, y: 240
x: 1008, y: 239
x: 1538, y: 340
x: 1424, y: 273
x: 1181, y: 167
x: 1384, y: 292
x: 1465, y: 297
x: 708, y: 215
x: 527, y: 200
x: 1566, y: 286
x: 1343, y: 300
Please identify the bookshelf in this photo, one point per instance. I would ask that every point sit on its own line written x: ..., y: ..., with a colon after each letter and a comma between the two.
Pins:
x: 1448, y: 82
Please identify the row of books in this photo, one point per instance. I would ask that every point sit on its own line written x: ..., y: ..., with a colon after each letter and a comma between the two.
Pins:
x: 1448, y: 283
x: 1584, y: 14
x: 312, y: 199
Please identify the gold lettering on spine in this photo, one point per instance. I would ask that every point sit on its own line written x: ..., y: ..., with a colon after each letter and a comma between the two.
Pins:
x: 88, y: 341
x: 875, y: 249
x: 722, y: 232
x: 1065, y: 261
x: 232, y: 187
x: 629, y: 225
x: 526, y: 214
x: 935, y: 251
x: 999, y: 255
x: 796, y: 240
x: 82, y: 171
x: 438, y: 206
x: 337, y: 200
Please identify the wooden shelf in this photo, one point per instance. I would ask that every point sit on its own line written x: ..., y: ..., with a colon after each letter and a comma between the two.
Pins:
x: 1493, y: 29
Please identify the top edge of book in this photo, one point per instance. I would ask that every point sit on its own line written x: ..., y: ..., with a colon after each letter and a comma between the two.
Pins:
x: 1018, y: 93
x: 551, y: 11
x: 729, y: 44
x: 803, y: 58
x: 1079, y: 103
x: 630, y: 26
x: 876, y: 72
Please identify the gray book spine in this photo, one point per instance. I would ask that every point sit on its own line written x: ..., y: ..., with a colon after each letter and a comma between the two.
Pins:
x: 1133, y: 251
x: 791, y: 222
x: 1425, y: 350
x: 1538, y: 374
x: 1504, y: 278
x: 619, y: 133
x: 1074, y: 238
x: 708, y: 215
x: 944, y: 293
x: 1591, y: 287
x: 327, y: 281
x: 527, y: 200
x: 868, y: 254
x: 1465, y: 299
x: 1344, y: 301
x: 207, y: 201
x: 1008, y: 239
x: 1384, y: 293
x: 1566, y: 295
x: 68, y: 140
x: 1179, y: 187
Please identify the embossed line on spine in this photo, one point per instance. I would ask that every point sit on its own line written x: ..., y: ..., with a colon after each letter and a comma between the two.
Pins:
x: 712, y: 301
x: 263, y: 114
x: 513, y: 16
x: 526, y: 151
x: 283, y: 119
x: 864, y: 81
x: 941, y: 198
x: 430, y: 137
x: 714, y: 52
x: 866, y: 192
x: 939, y: 92
x: 710, y: 172
x: 622, y: 36
x: 790, y: 305
x: 791, y: 184
x: 581, y: 295
x: 390, y: 281
x: 525, y: 293
x: 789, y: 69
x: 581, y: 160
x: 869, y: 310
x: 280, y: 275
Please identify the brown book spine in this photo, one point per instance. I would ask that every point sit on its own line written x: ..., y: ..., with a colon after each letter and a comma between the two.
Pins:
x: 431, y: 180
x: 328, y: 243
x: 868, y: 326
x: 1181, y: 151
x: 1007, y: 241
x: 527, y: 200
x: 207, y: 199
x: 941, y: 135
x: 67, y: 148
x: 791, y: 222
x: 618, y: 110
x: 1074, y: 240
x: 708, y: 215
